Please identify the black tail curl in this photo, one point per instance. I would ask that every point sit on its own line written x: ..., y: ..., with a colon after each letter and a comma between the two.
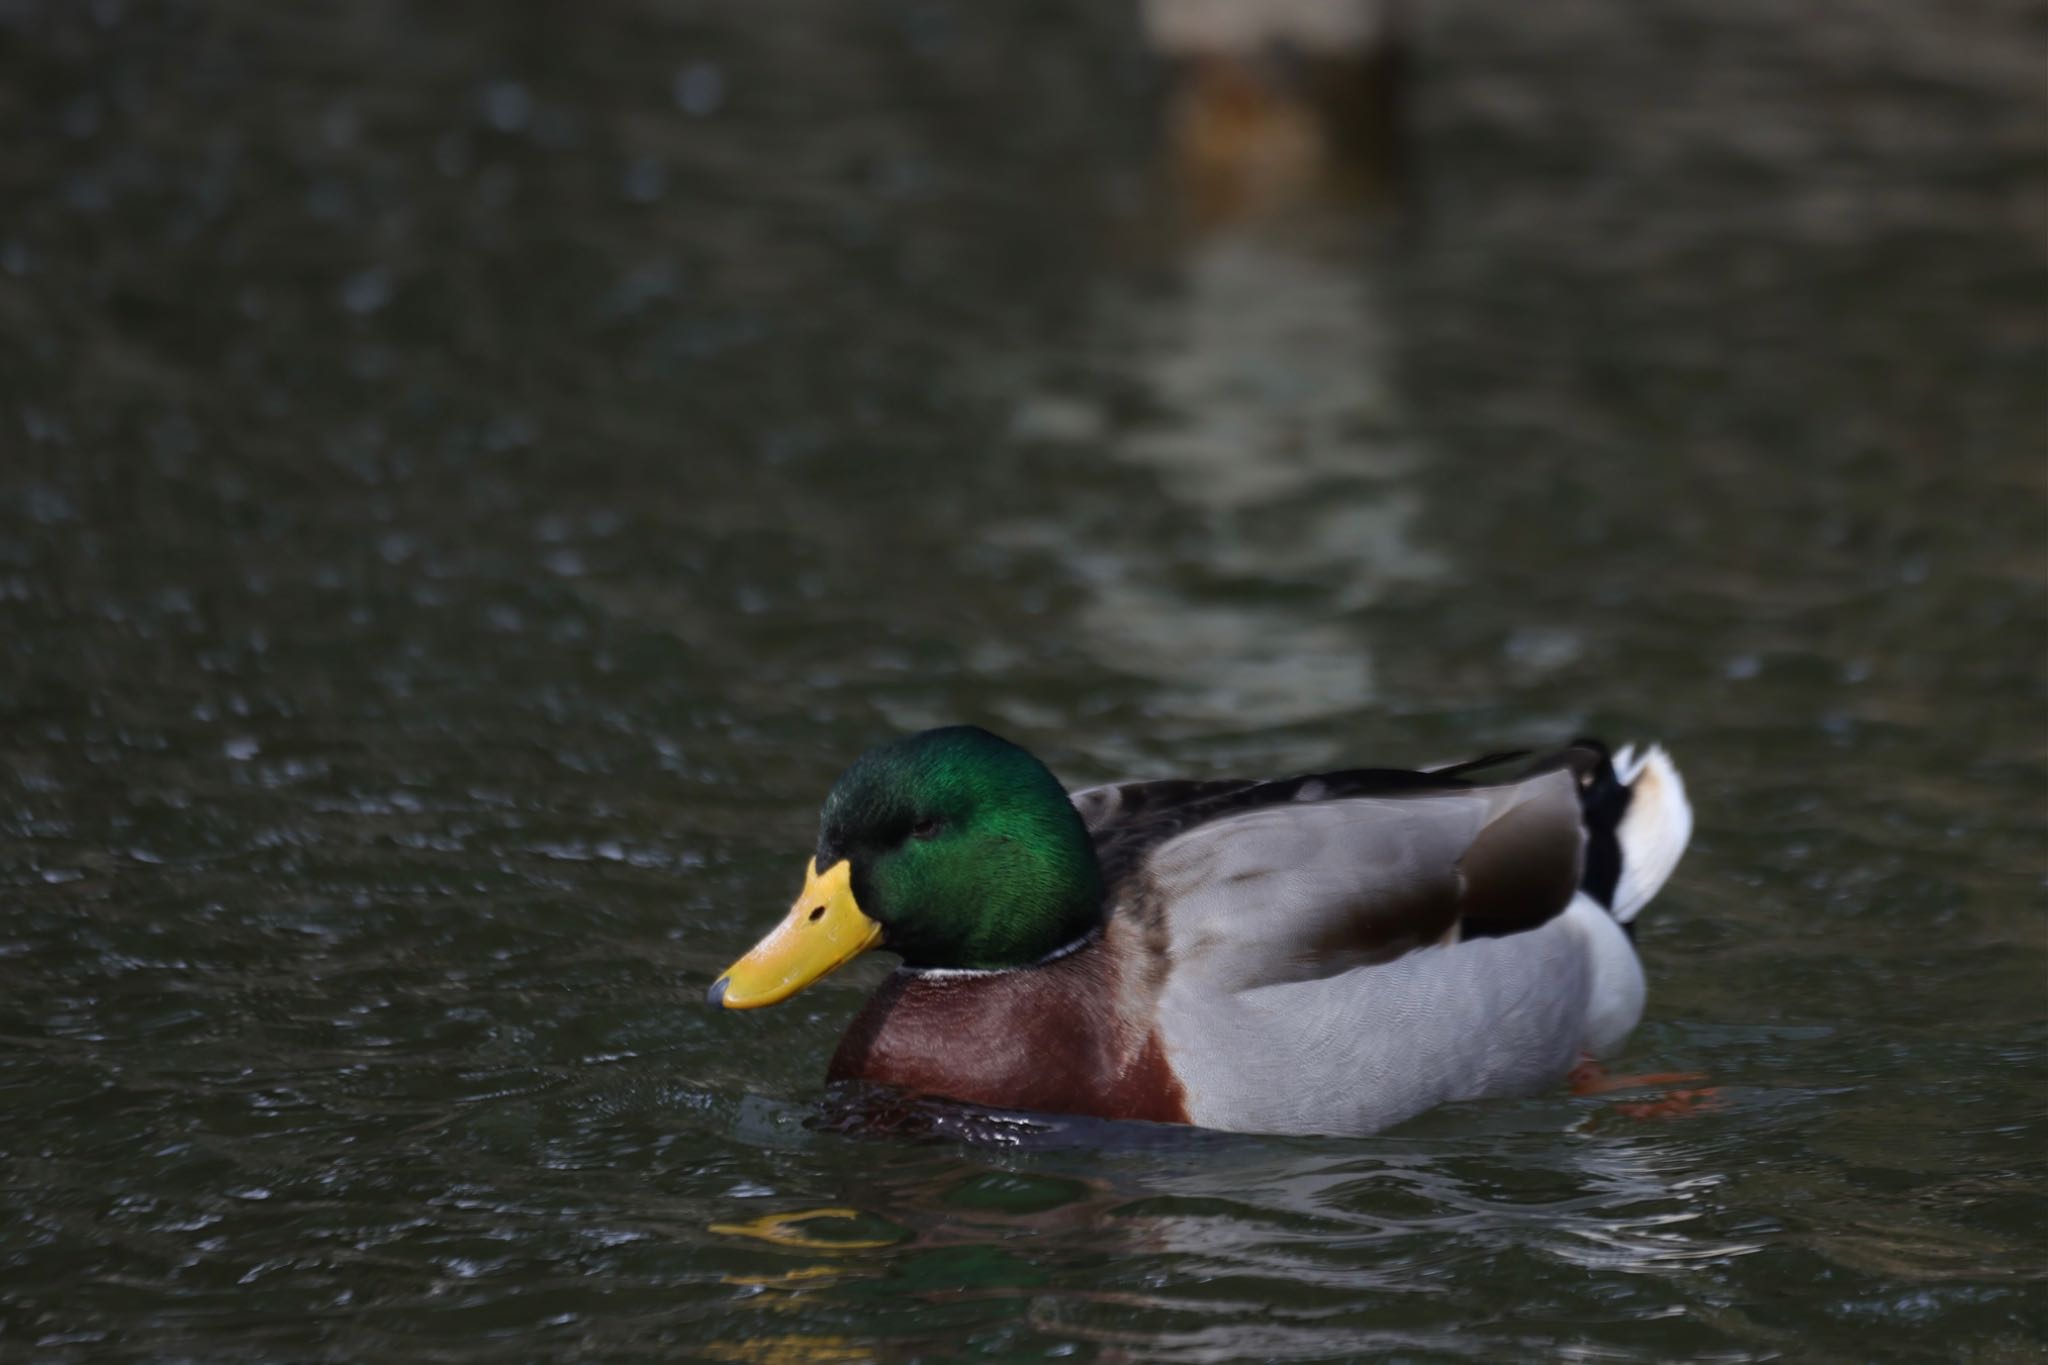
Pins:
x: 1604, y: 800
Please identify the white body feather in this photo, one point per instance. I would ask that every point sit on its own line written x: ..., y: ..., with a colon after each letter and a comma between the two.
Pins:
x: 1655, y: 829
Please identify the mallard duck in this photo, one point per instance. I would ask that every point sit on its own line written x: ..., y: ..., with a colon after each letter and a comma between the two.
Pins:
x: 1331, y: 953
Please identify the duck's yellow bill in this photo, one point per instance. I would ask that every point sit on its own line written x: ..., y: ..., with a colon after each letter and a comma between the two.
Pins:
x: 822, y: 932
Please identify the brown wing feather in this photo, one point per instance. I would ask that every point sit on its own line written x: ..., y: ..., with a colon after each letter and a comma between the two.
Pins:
x: 1526, y: 864
x: 1294, y: 880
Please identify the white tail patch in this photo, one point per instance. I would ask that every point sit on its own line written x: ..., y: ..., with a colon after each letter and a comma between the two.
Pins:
x: 1654, y: 829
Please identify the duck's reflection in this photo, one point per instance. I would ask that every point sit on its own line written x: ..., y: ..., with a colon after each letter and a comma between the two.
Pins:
x: 1159, y: 1242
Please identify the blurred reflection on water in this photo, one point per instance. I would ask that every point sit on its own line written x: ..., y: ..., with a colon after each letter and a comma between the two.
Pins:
x: 1264, y: 404
x: 1275, y: 444
x: 471, y: 474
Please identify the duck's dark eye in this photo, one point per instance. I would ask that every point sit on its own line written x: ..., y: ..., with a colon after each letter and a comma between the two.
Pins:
x: 925, y: 828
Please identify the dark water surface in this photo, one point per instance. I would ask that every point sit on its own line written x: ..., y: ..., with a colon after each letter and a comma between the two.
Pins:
x: 470, y: 475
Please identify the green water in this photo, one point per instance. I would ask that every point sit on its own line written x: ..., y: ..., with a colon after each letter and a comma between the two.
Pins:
x: 471, y: 474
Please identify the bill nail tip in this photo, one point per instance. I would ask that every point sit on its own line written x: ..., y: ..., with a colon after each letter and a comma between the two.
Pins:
x: 715, y: 997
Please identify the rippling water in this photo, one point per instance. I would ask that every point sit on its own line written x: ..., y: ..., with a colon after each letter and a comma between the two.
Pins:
x: 471, y: 475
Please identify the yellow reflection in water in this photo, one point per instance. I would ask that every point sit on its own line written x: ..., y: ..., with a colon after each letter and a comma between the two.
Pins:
x: 787, y: 1279
x: 786, y: 1287
x: 787, y: 1230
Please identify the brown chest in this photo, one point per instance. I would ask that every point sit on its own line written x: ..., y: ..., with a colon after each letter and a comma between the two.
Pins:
x: 1044, y: 1038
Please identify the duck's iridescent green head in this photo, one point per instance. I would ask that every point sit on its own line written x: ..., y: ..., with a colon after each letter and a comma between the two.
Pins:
x: 952, y: 847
